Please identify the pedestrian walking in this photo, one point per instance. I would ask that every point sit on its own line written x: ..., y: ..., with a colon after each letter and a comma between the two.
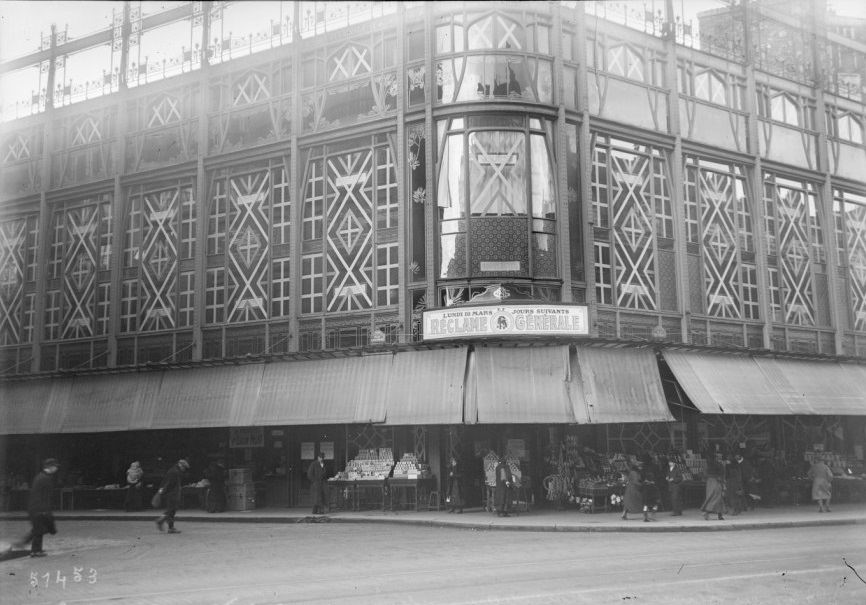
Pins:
x: 39, y: 508
x: 502, y: 493
x: 714, y: 502
x: 134, y: 474
x: 822, y: 482
x: 674, y: 479
x: 632, y: 498
x: 170, y: 493
x: 454, y: 493
x: 316, y: 475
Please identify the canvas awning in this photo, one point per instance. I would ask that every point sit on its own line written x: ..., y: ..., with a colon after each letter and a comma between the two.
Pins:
x: 518, y: 385
x: 25, y: 405
x: 108, y: 402
x: 206, y: 397
x: 725, y: 384
x: 330, y: 391
x: 426, y: 387
x: 817, y: 387
x: 611, y: 385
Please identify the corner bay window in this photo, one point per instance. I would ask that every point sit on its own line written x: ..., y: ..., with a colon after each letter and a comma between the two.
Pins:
x: 496, y: 198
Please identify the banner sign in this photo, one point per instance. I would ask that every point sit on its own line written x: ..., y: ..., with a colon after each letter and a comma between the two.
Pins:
x: 506, y: 320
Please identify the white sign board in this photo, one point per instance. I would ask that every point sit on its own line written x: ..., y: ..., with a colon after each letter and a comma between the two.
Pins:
x: 506, y: 320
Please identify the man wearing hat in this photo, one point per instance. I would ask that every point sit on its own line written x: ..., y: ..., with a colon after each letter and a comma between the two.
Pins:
x: 39, y: 508
x: 316, y: 475
x: 170, y: 491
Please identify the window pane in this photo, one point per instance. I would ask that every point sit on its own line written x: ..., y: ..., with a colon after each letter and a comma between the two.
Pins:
x: 497, y: 173
x: 450, y: 196
x: 543, y: 198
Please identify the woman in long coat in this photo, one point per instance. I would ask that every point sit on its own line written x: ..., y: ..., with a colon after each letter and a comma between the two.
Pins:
x: 632, y: 499
x: 454, y: 493
x: 822, y: 478
x: 715, y: 494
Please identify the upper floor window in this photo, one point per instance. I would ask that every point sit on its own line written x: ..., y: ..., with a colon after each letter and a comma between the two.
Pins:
x: 625, y: 61
x: 849, y: 128
x: 784, y: 109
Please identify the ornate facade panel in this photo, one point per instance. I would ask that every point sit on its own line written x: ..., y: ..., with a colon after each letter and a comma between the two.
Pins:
x: 13, y: 235
x: 159, y: 253
x: 794, y: 233
x: 850, y: 212
x: 350, y: 215
x: 248, y: 243
x: 248, y: 246
x: 632, y: 222
x: 81, y: 260
x: 160, y: 234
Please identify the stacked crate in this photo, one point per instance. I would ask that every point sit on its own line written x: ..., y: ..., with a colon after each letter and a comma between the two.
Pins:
x: 241, y: 490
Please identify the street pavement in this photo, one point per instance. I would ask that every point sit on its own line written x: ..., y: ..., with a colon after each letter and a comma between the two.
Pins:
x: 786, y: 555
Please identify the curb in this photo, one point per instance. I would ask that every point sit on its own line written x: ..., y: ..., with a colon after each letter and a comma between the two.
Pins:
x: 473, y: 526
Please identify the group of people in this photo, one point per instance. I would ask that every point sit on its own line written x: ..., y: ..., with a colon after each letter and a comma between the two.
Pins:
x: 728, y: 488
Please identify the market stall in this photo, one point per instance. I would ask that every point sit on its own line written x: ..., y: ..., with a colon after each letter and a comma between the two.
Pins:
x: 373, y: 480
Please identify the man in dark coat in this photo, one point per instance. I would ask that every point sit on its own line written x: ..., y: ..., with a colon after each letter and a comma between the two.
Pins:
x: 674, y: 478
x: 170, y: 490
x: 39, y: 508
x: 316, y: 475
x: 502, y: 495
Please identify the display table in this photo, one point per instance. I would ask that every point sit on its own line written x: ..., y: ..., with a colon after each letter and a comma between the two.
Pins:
x: 419, y: 488
x: 358, y: 494
x: 598, y: 492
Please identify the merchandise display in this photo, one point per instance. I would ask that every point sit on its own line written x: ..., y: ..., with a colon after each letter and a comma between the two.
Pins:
x: 369, y: 464
x: 408, y: 467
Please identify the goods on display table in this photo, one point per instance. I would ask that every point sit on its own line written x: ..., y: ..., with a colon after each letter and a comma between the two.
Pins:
x: 408, y: 467
x: 370, y: 464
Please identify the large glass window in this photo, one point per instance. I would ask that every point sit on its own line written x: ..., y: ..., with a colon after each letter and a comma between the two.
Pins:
x: 496, y: 198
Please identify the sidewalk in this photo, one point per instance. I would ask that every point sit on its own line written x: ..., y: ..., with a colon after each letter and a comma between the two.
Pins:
x: 538, y: 520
